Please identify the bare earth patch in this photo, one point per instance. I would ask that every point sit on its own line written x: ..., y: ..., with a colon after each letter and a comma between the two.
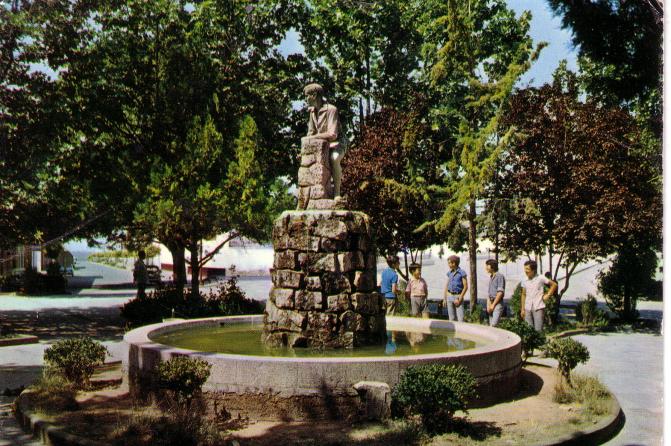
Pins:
x: 530, y: 418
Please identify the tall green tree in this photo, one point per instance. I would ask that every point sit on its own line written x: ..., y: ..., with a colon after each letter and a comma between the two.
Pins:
x: 474, y: 51
x: 207, y: 193
x: 369, y: 50
x: 133, y: 75
x: 619, y: 44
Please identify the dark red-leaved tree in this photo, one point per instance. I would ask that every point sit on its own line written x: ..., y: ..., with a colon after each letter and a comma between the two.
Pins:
x: 576, y: 184
x: 385, y: 175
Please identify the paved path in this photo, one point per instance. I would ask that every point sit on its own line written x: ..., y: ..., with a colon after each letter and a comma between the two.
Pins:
x: 630, y: 364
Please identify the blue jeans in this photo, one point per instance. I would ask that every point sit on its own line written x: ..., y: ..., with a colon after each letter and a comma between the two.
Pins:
x: 454, y: 313
x: 496, y: 314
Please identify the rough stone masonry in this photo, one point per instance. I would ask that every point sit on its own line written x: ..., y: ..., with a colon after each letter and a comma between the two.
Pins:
x: 324, y: 282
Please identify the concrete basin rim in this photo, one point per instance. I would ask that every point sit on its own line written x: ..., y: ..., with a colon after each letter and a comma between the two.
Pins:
x: 140, y: 337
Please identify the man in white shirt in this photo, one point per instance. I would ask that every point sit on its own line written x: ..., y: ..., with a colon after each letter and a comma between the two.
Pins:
x: 533, y: 296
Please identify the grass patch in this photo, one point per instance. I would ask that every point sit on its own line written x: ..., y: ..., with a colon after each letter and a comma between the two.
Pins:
x: 150, y: 426
x: 53, y: 394
x: 587, y: 391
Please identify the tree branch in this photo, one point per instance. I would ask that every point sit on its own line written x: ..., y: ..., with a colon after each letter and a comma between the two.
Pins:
x: 208, y: 257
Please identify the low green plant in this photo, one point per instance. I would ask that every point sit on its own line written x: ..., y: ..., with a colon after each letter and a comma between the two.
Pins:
x: 434, y: 392
x: 515, y: 303
x: 569, y: 353
x: 589, y: 314
x: 531, y: 339
x: 75, y: 359
x: 476, y: 315
x: 184, y: 377
x: 167, y: 300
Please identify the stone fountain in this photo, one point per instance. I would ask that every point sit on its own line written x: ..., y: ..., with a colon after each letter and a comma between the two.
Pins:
x: 323, y: 304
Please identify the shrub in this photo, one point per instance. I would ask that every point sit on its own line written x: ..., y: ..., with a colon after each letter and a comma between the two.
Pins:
x: 184, y: 377
x: 569, y: 353
x: 589, y: 314
x: 476, y: 315
x: 75, y: 359
x: 515, y: 302
x: 531, y: 339
x: 434, y: 392
x: 227, y: 300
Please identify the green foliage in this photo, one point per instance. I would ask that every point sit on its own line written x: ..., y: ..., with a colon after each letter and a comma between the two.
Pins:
x: 75, y: 359
x: 515, y: 303
x: 476, y: 315
x: 531, y: 339
x: 630, y: 277
x: 33, y: 283
x: 184, y: 377
x: 435, y: 392
x: 226, y: 300
x: 589, y: 314
x: 569, y: 353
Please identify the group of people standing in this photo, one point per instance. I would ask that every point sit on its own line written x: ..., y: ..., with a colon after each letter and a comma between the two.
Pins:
x: 533, y: 299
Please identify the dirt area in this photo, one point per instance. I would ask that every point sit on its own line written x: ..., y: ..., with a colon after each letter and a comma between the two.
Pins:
x: 531, y: 417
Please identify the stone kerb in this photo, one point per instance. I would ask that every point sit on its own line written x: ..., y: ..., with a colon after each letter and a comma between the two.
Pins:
x: 324, y: 282
x: 315, y: 190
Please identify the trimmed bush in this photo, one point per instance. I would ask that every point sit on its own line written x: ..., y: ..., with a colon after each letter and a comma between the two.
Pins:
x: 515, y: 302
x: 569, y: 353
x: 531, y: 339
x: 184, y: 377
x: 227, y: 300
x: 75, y: 359
x: 434, y: 392
x: 589, y: 314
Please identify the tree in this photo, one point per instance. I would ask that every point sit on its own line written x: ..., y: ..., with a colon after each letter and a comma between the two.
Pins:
x: 578, y: 186
x: 473, y: 53
x: 206, y: 194
x: 369, y: 50
x: 132, y: 76
x: 620, y: 49
x: 630, y: 277
x: 386, y: 177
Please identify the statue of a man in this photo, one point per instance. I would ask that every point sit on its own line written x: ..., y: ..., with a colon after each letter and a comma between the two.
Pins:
x: 325, y: 124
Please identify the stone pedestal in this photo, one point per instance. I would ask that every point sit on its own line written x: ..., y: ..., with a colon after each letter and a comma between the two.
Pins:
x: 324, y: 282
x: 315, y: 190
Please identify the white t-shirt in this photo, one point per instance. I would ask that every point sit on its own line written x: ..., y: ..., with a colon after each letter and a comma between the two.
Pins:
x: 534, y: 292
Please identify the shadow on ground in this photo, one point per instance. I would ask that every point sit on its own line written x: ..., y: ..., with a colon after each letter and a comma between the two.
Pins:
x: 103, y: 324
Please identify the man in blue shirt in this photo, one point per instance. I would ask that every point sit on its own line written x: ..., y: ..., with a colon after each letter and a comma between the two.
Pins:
x: 389, y: 282
x: 455, y: 290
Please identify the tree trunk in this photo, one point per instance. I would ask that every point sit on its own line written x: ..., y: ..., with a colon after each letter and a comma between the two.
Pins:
x: 178, y: 264
x: 472, y: 254
x: 367, y: 81
x: 195, y: 270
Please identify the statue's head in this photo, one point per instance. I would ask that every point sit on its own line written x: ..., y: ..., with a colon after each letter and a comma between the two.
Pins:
x: 313, y: 93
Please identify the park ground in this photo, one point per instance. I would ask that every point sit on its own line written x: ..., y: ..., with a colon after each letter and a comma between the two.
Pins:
x: 628, y: 361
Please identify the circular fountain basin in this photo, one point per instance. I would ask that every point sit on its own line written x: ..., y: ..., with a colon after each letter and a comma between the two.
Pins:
x: 316, y: 387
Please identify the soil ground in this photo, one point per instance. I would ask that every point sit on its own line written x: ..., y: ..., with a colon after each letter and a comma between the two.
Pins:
x: 531, y: 417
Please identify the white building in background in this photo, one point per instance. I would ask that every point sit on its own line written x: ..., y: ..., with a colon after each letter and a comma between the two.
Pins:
x: 248, y: 257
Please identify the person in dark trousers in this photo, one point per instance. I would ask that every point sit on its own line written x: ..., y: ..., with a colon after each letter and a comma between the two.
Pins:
x: 140, y: 275
x: 497, y: 288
